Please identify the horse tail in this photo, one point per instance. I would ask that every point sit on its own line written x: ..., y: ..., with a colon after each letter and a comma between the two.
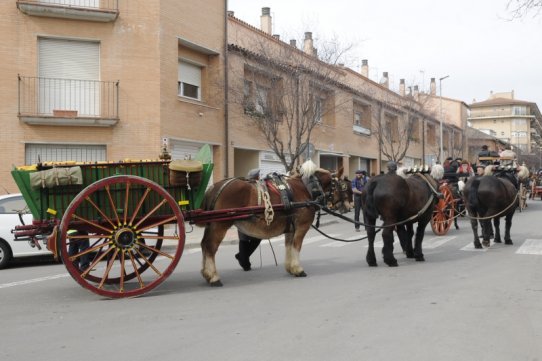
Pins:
x: 473, y: 195
x: 370, y: 206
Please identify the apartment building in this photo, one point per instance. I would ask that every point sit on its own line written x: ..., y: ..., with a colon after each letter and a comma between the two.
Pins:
x: 93, y: 80
x: 513, y: 121
x: 360, y: 123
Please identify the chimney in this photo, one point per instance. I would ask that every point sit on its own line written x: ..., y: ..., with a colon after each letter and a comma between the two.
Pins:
x: 265, y: 21
x: 385, y: 81
x: 293, y: 43
x: 416, y: 92
x: 402, y: 87
x: 365, y: 68
x: 308, y: 44
x: 230, y: 13
x: 433, y: 87
x: 276, y: 36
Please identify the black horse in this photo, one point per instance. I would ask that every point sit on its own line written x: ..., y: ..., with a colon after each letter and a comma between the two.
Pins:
x: 490, y: 197
x: 400, y: 202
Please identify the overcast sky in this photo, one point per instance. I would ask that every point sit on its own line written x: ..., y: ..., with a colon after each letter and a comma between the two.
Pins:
x: 472, y: 41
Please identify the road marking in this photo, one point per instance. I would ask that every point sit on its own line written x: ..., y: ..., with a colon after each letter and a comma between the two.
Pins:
x: 530, y: 246
x: 435, y: 242
x: 34, y: 280
x: 470, y: 247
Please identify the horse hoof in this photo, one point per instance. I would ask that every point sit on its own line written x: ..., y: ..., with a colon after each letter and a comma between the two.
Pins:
x: 409, y: 254
x: 509, y: 242
x: 497, y: 241
x: 392, y: 263
x: 301, y: 274
x: 420, y: 259
x: 372, y: 264
x: 478, y: 246
x: 216, y: 284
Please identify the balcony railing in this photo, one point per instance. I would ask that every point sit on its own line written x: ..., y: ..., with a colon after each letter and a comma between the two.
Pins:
x: 93, y: 10
x: 55, y: 101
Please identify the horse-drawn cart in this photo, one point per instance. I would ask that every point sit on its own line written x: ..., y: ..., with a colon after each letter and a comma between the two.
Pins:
x: 118, y: 227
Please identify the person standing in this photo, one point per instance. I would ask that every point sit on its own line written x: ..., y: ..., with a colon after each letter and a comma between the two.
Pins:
x: 247, y: 244
x: 357, y: 187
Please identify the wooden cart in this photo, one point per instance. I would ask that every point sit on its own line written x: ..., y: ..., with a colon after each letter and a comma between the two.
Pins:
x: 120, y: 231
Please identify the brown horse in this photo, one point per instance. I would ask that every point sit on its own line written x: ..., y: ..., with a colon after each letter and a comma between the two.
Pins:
x: 490, y: 197
x: 312, y: 183
x: 400, y: 201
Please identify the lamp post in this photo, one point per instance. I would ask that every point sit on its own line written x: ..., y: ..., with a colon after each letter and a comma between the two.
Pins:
x: 440, y: 96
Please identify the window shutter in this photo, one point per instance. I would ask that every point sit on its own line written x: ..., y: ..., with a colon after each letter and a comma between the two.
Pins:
x: 189, y: 73
x: 69, y: 59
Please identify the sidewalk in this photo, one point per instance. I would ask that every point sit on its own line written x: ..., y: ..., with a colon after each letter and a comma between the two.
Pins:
x: 194, y: 233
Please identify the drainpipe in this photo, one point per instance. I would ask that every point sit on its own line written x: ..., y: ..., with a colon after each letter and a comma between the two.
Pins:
x: 226, y: 97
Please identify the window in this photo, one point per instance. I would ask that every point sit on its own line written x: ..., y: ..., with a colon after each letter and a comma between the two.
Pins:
x: 35, y: 153
x: 391, y: 130
x: 414, y: 126
x: 262, y: 95
x: 69, y: 73
x: 431, y: 136
x: 189, y: 80
x: 318, y: 109
x: 357, y: 118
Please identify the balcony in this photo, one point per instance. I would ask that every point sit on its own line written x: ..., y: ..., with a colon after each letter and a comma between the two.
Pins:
x: 68, y: 102
x: 90, y: 10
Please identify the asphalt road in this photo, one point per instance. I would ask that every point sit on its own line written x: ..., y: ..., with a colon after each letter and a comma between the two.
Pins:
x: 461, y: 304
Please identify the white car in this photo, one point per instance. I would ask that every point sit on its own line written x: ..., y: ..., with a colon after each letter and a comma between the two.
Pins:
x: 10, y: 207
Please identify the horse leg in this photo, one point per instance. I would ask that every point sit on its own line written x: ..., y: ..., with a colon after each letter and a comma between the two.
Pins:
x: 212, y: 237
x: 474, y: 226
x: 497, y: 229
x: 420, y: 230
x: 371, y: 233
x: 508, y: 226
x: 387, y: 250
x: 404, y: 232
x: 293, y: 242
x: 486, y: 231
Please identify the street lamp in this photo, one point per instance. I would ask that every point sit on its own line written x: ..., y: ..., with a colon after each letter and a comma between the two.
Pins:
x: 440, y: 96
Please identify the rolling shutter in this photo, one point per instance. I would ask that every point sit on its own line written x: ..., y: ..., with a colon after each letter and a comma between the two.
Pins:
x: 64, y: 152
x: 69, y: 74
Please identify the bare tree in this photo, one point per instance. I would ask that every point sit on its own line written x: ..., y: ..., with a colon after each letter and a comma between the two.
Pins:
x: 520, y: 8
x: 288, y: 93
x: 398, y: 123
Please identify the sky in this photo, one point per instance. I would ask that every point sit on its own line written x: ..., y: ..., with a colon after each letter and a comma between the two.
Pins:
x: 474, y: 42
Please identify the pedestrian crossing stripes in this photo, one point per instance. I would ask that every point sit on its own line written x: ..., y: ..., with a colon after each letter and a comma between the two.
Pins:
x: 530, y: 246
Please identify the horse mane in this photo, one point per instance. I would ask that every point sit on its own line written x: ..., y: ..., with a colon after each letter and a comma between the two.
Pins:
x: 307, y: 169
x: 437, y: 171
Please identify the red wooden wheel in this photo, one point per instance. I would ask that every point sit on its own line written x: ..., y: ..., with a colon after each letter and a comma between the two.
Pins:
x: 114, y: 240
x: 444, y: 211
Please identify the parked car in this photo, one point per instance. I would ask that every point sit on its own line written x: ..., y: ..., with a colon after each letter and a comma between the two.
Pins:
x: 10, y: 207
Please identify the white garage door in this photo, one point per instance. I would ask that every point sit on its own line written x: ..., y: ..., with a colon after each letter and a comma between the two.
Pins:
x: 64, y: 152
x: 269, y: 163
x: 184, y: 150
